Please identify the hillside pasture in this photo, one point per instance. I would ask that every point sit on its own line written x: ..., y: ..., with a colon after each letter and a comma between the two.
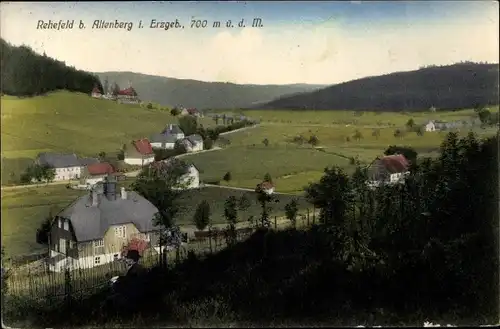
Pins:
x: 67, y: 122
x: 248, y: 164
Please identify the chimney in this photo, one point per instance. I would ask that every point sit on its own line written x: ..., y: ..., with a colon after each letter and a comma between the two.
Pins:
x: 95, y: 198
x: 110, y: 188
x: 123, y: 193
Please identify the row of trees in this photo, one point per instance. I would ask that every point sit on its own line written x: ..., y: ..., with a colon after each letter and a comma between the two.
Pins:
x: 436, y: 235
x: 26, y: 73
x: 38, y: 173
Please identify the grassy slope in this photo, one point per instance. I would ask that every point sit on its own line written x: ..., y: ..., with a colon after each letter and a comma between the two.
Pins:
x: 173, y: 92
x: 68, y: 122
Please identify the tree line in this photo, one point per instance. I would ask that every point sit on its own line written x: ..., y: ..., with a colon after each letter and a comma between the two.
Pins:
x: 26, y: 73
x: 462, y: 85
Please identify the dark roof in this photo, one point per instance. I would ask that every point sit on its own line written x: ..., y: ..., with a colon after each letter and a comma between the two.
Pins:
x: 143, y: 146
x: 56, y: 160
x: 172, y: 129
x: 162, y: 138
x: 395, y: 163
x: 100, y: 168
x: 195, y: 138
x: 91, y: 222
x: 88, y: 161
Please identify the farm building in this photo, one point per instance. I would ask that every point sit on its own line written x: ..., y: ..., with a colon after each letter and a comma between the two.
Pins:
x: 97, y: 172
x: 162, y: 141
x: 97, y: 227
x: 66, y: 166
x: 429, y: 126
x: 128, y: 95
x: 173, y: 130
x: 191, y: 177
x: 389, y: 169
x: 266, y: 187
x: 194, y: 143
x: 139, y: 153
x: 96, y: 93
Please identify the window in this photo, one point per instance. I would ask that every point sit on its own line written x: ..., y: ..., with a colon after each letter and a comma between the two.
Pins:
x: 97, y: 260
x: 59, y: 222
x: 62, y: 246
x: 98, y: 247
x: 71, y: 244
x: 120, y: 231
x: 66, y: 225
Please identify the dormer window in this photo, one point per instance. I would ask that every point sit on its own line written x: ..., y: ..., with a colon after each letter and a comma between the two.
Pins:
x: 59, y: 222
x: 66, y: 225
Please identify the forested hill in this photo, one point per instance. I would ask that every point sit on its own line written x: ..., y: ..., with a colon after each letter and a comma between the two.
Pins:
x: 462, y: 85
x: 200, y: 94
x: 26, y: 73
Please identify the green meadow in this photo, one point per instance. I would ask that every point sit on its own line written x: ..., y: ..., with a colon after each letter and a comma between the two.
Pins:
x: 70, y: 123
x: 293, y: 166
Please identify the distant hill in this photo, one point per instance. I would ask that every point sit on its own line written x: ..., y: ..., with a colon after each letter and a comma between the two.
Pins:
x: 26, y: 73
x: 463, y: 85
x: 200, y: 94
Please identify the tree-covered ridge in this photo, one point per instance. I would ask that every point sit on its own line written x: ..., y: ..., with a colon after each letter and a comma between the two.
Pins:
x: 209, y: 95
x: 462, y: 85
x: 26, y: 73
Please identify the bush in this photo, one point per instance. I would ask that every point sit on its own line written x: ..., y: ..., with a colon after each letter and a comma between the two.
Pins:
x: 227, y: 177
x: 208, y: 144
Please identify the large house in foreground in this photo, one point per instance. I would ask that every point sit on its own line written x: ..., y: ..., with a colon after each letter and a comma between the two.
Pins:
x: 390, y: 169
x: 96, y: 227
x: 139, y: 153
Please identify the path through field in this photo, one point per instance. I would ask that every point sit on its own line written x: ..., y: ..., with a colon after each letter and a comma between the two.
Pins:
x: 243, y: 189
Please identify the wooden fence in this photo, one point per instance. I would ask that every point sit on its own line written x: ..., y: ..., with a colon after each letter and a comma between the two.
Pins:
x: 33, y: 280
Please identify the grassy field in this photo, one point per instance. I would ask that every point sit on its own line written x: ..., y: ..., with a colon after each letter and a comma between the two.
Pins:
x: 24, y: 209
x: 292, y: 166
x: 355, y: 118
x: 71, y: 123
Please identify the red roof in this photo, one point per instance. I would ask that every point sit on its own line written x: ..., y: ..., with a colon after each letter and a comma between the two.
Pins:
x: 143, y: 146
x: 96, y: 91
x: 100, y: 168
x: 395, y: 163
x: 192, y: 111
x: 128, y: 92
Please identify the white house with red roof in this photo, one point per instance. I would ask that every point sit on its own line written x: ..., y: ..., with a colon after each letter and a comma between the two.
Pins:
x: 390, y: 169
x: 266, y: 187
x: 139, y: 153
x: 128, y: 95
x: 96, y: 172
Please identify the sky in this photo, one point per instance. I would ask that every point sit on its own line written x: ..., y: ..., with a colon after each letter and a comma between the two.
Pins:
x: 299, y: 42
